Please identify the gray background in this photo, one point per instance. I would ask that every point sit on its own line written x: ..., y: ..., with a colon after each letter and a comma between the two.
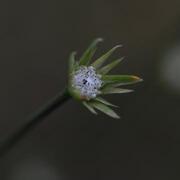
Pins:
x: 36, y: 38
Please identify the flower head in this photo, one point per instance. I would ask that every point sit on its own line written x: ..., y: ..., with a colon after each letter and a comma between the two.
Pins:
x: 89, y: 81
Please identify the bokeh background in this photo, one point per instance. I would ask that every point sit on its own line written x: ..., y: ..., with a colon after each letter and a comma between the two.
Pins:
x: 36, y: 38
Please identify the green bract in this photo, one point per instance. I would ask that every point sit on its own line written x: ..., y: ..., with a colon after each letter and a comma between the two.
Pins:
x: 88, y: 81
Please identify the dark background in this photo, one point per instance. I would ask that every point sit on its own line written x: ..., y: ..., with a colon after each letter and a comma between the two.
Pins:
x: 36, y: 38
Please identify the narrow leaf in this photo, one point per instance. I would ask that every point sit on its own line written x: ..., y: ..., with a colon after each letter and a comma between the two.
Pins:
x: 109, y: 67
x: 89, y: 107
x: 112, y: 90
x: 72, y: 61
x: 88, y: 54
x: 100, y: 61
x: 105, y: 109
x: 101, y: 100
x: 121, y: 79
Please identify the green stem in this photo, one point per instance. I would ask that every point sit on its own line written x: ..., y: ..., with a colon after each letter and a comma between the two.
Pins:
x: 33, y: 121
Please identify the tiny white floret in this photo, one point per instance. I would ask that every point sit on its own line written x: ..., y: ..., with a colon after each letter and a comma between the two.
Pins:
x: 87, y: 82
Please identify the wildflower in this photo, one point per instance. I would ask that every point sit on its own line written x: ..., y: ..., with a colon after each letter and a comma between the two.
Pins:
x: 89, y: 81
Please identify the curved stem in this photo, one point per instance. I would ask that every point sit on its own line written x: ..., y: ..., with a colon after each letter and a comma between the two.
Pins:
x: 33, y: 120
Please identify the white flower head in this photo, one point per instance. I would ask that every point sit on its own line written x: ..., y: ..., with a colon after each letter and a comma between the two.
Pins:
x: 87, y: 82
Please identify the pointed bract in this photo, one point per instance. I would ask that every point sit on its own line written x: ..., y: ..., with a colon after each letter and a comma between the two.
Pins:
x: 72, y: 61
x: 89, y: 107
x: 100, y: 61
x: 88, y: 54
x: 101, y: 100
x: 112, y: 90
x: 104, y: 70
x: 105, y: 109
x: 121, y: 79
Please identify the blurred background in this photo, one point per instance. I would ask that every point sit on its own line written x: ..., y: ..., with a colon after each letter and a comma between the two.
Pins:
x: 36, y: 38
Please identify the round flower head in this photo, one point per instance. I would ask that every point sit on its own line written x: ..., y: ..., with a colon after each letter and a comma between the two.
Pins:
x: 88, y: 81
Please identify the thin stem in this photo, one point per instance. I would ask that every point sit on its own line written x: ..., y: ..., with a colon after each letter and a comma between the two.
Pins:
x: 33, y: 121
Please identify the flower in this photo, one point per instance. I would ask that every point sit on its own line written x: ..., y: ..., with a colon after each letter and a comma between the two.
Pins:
x: 88, y: 81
